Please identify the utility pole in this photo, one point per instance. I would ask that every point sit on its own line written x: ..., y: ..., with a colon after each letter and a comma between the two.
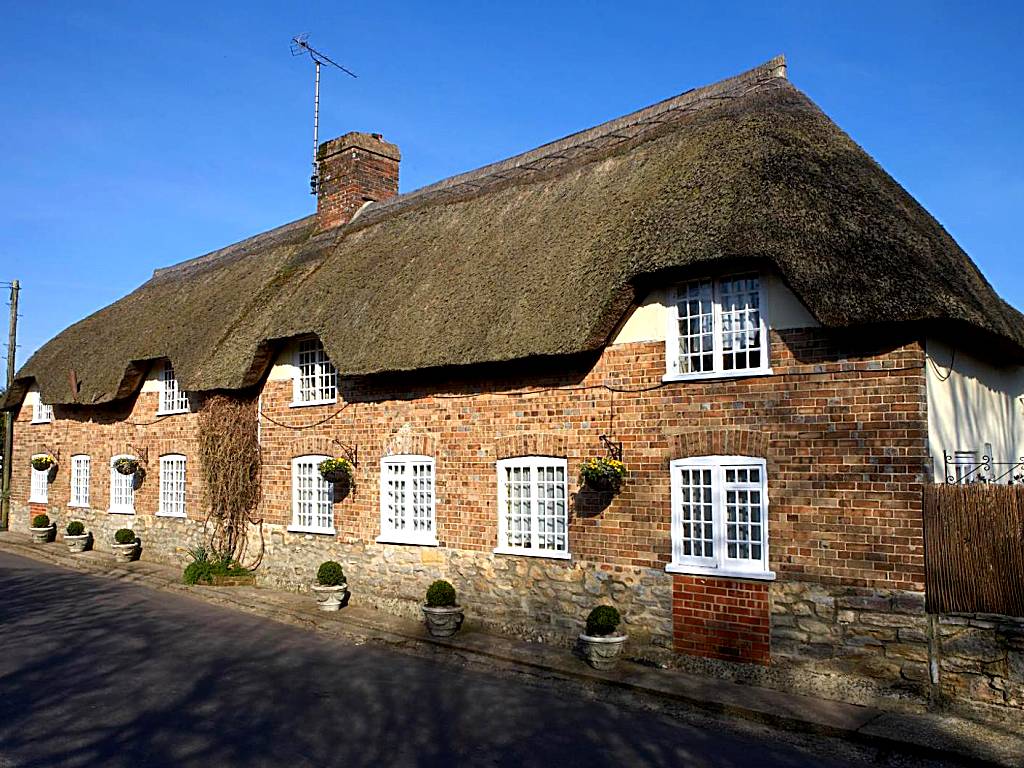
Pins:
x: 12, y: 346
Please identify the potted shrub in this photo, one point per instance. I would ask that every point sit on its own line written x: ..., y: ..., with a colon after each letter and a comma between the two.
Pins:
x: 603, y: 474
x: 43, y: 462
x: 126, y: 465
x: 338, y: 471
x: 43, y: 530
x: 330, y: 588
x: 441, y: 613
x: 76, y: 538
x: 600, y: 643
x: 126, y: 545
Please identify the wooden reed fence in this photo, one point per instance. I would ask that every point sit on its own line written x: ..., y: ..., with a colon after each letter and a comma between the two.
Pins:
x: 974, y: 548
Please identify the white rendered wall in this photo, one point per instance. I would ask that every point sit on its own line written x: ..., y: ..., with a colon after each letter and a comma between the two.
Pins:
x: 649, y: 321
x: 973, y: 405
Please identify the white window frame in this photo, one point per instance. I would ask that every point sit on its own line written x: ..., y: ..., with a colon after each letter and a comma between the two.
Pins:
x: 389, y: 533
x: 172, y: 398
x: 295, y: 526
x: 115, y: 478
x: 39, y: 487
x: 170, y: 505
x: 673, y: 372
x: 81, y: 477
x: 322, y: 368
x: 41, y: 412
x: 720, y: 564
x: 533, y: 463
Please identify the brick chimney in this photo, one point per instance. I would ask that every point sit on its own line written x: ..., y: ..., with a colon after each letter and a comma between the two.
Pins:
x: 354, y: 169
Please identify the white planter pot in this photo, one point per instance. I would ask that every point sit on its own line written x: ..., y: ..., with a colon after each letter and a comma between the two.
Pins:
x: 125, y: 553
x: 602, y: 652
x: 330, y: 598
x: 76, y: 543
x: 443, y: 622
x: 44, y: 535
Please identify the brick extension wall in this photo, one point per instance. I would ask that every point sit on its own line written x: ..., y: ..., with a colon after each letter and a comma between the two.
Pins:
x: 842, y: 425
x: 727, y: 619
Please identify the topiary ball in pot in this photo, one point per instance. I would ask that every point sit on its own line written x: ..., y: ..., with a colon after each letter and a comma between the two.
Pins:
x: 76, y: 538
x: 602, y: 621
x: 330, y: 588
x: 42, y: 530
x: 126, y: 545
x: 440, y: 594
x: 124, y: 536
x: 442, y: 615
x: 600, y: 645
x: 330, y: 574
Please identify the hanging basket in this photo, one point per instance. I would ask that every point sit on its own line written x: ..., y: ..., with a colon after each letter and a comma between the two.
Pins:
x: 602, y: 475
x: 43, y: 463
x: 126, y: 466
x: 337, y: 471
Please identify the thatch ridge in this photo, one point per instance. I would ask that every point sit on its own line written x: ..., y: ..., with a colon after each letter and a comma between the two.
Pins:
x: 523, y: 259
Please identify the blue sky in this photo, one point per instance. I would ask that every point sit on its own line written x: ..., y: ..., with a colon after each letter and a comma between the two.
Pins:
x: 135, y: 135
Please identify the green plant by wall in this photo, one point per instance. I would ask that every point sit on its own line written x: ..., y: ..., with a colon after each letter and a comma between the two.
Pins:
x: 124, y: 536
x: 41, y: 521
x: 330, y: 574
x: 76, y: 528
x: 229, y: 456
x: 203, y: 567
x: 440, y: 594
x: 602, y: 621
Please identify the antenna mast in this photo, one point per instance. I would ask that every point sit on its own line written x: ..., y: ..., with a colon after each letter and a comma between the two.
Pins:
x: 300, y: 45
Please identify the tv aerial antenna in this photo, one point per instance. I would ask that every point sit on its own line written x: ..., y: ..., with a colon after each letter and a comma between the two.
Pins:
x: 300, y: 45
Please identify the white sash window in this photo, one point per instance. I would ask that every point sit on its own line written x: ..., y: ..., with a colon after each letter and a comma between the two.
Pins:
x: 122, y: 490
x: 80, y: 471
x: 407, y: 513
x: 533, y: 507
x: 312, y: 497
x: 172, y: 398
x: 720, y: 516
x: 317, y: 381
x: 172, y: 486
x: 717, y: 328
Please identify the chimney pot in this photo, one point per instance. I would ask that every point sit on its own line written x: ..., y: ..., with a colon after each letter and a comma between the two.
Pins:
x: 354, y: 168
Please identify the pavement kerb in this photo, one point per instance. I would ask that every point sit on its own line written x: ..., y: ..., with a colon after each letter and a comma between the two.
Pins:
x: 794, y: 712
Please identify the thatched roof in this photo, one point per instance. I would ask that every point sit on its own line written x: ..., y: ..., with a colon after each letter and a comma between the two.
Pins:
x: 544, y: 253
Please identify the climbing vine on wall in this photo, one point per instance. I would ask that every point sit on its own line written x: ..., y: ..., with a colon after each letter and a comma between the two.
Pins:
x: 229, y: 455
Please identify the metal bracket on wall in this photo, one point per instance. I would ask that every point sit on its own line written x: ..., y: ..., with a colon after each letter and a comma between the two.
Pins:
x: 614, y: 448
x: 350, y: 452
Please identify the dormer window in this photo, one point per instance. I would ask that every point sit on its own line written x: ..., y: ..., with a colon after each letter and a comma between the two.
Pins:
x: 316, y: 381
x: 41, y: 413
x: 717, y: 328
x: 172, y: 398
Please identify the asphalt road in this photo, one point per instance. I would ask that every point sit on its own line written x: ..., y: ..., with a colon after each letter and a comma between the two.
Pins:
x: 95, y: 672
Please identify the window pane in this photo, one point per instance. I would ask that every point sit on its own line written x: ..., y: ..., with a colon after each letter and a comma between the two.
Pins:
x: 696, y: 327
x: 518, y: 481
x: 743, y: 513
x: 694, y: 514
x: 317, y: 377
x: 741, y: 323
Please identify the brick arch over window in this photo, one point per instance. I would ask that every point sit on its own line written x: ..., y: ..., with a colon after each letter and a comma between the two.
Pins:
x: 313, y: 445
x: 531, y: 444
x: 719, y: 442
x: 405, y: 441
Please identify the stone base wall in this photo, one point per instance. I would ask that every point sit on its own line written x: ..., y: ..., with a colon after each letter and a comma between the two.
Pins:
x: 849, y: 643
x: 981, y: 659
x: 533, y: 598
x: 164, y: 539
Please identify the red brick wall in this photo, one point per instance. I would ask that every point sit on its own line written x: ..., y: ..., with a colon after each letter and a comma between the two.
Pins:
x: 843, y: 432
x: 721, y: 618
x: 102, y: 433
x: 841, y: 423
